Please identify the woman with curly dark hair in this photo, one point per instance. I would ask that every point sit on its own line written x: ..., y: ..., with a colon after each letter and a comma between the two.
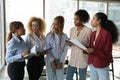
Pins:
x: 81, y: 33
x: 100, y: 51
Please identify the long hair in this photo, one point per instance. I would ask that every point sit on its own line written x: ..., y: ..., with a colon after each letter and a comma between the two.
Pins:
x: 60, y: 22
x: 108, y: 25
x: 13, y: 27
x: 41, y: 24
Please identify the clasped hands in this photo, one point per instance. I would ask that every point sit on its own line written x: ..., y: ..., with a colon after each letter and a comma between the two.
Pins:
x: 55, y: 65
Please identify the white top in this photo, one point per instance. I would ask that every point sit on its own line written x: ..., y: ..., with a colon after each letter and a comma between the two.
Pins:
x: 33, y: 40
x: 78, y: 58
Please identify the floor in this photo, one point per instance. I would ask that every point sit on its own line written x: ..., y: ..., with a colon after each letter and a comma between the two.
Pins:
x: 4, y: 76
x: 116, y: 54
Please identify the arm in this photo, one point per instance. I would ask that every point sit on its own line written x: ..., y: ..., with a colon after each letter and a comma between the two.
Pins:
x: 65, y: 49
x: 48, y: 46
x: 27, y: 41
x: 108, y: 47
x: 11, y: 55
x: 64, y: 54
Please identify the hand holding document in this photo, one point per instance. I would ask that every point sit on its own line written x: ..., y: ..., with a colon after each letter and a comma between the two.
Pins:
x: 33, y: 52
x: 76, y: 43
x: 45, y: 51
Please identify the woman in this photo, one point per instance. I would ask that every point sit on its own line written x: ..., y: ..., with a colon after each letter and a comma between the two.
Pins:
x: 15, y: 50
x: 36, y: 28
x: 100, y: 51
x: 56, y: 57
x: 81, y: 33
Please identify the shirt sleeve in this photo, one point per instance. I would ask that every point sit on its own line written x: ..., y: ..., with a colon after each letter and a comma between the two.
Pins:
x: 64, y: 52
x: 48, y: 46
x: 108, y: 47
x: 27, y: 41
x: 11, y: 55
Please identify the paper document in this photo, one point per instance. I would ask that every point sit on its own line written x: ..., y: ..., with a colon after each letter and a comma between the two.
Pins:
x: 33, y: 52
x: 46, y: 50
x: 77, y: 43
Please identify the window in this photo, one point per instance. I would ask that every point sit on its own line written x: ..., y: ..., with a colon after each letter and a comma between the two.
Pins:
x: 92, y: 8
x: 65, y: 8
x: 22, y: 10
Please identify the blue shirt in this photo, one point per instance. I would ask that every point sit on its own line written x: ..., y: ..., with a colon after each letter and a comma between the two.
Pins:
x: 59, y: 46
x: 14, y: 49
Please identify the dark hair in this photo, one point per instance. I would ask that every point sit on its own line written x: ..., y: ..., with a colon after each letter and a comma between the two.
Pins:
x: 13, y: 27
x: 108, y: 25
x: 83, y: 15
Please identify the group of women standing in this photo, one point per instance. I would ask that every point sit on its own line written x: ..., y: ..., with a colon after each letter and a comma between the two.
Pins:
x: 98, y: 52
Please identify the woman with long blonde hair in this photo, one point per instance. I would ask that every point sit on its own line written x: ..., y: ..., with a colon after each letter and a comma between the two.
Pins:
x: 56, y: 56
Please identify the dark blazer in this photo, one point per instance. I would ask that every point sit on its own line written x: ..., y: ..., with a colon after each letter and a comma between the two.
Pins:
x: 102, y: 55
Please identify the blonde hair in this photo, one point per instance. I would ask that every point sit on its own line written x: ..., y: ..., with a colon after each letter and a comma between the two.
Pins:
x: 41, y: 24
x: 60, y: 20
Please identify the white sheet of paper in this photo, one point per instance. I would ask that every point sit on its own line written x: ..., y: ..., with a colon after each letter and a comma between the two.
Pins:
x: 77, y: 43
x: 33, y: 50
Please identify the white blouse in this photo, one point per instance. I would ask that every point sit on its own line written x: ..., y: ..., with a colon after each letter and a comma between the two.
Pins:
x: 78, y: 58
x: 32, y: 39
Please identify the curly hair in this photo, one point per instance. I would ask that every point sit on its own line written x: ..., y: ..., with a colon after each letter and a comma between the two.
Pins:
x: 41, y: 24
x: 83, y: 15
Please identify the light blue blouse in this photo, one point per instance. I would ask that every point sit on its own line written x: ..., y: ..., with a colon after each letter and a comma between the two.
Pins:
x: 59, y: 51
x: 14, y: 49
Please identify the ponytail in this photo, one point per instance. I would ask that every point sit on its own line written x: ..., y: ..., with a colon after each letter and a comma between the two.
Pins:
x: 9, y: 37
x: 108, y: 25
x: 111, y: 27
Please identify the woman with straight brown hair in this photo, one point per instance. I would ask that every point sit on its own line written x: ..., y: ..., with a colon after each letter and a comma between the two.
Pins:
x: 15, y: 50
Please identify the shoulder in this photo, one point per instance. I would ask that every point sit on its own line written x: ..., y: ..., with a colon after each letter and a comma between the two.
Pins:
x: 11, y: 43
x: 65, y: 35
x: 48, y: 34
x: 73, y: 28
x: 87, y: 29
x: 104, y: 31
x: 29, y: 35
